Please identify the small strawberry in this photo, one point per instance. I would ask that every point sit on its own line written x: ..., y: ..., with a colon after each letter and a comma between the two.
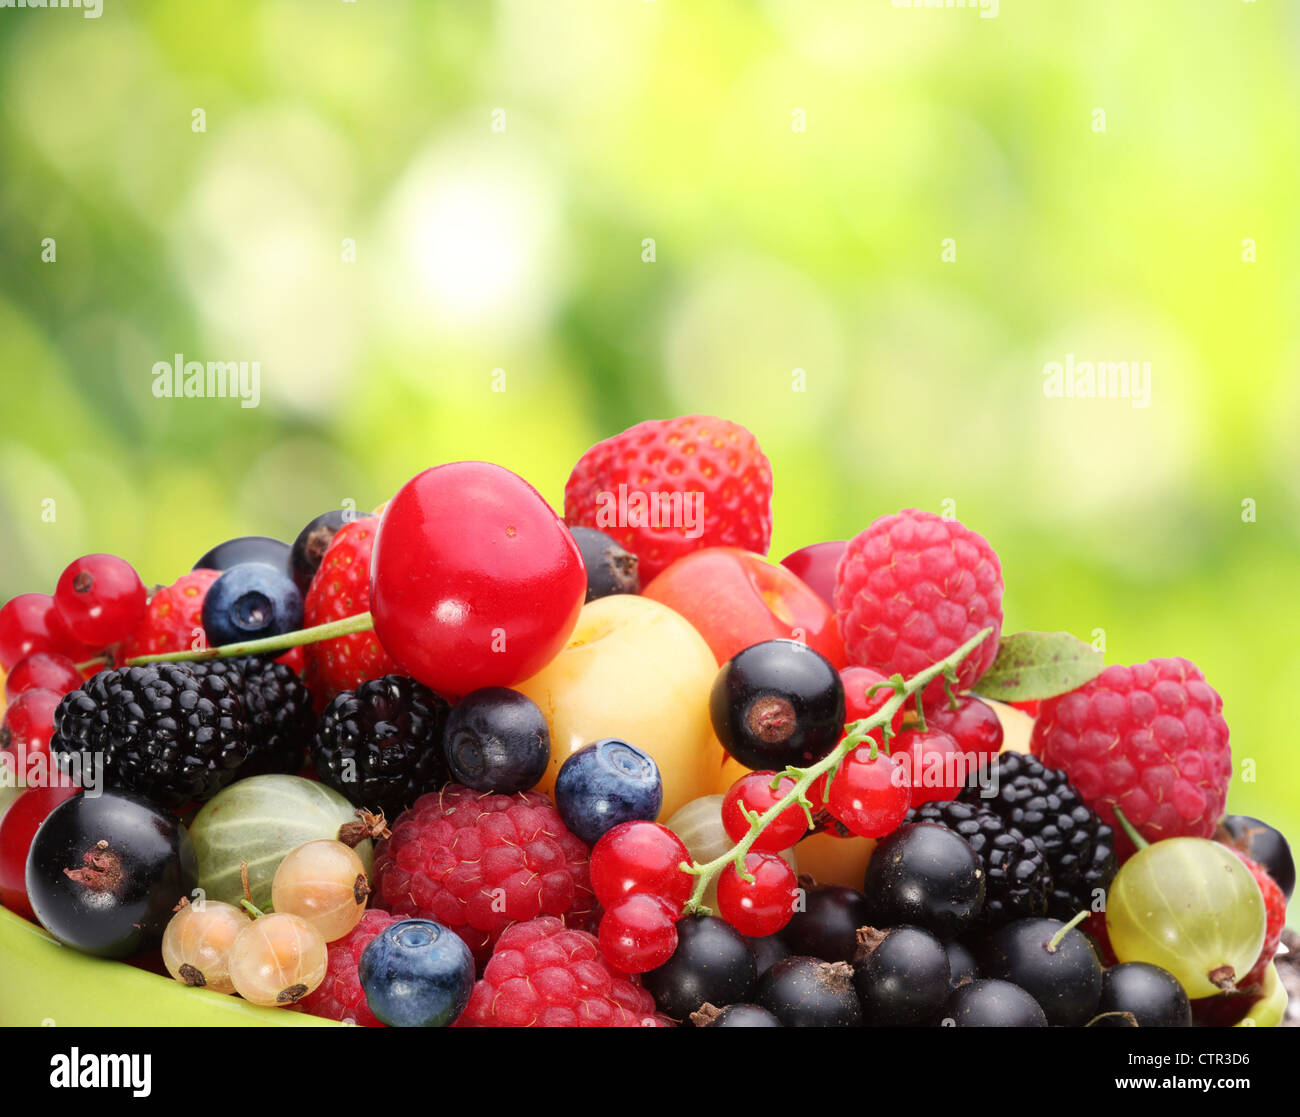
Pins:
x: 666, y: 487
x: 1275, y: 909
x: 173, y: 620
x: 341, y: 588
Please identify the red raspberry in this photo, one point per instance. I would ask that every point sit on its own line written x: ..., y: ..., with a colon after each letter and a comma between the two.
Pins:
x: 1150, y: 739
x: 546, y: 975
x: 478, y: 863
x: 1275, y: 906
x: 341, y: 588
x: 339, y: 996
x: 638, y: 488
x: 173, y: 621
x: 913, y: 588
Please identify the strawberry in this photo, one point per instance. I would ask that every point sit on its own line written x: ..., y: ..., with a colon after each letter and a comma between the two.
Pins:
x: 173, y: 620
x: 666, y: 487
x: 341, y: 588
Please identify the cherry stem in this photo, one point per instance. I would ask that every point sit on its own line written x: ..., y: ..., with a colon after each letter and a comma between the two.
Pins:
x: 1133, y: 836
x: 362, y: 622
x: 1056, y: 938
x: 855, y: 733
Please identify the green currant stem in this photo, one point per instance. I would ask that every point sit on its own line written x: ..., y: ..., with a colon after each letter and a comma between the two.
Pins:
x: 362, y: 622
x: 1136, y: 838
x: 1056, y: 938
x: 855, y: 734
x: 251, y: 908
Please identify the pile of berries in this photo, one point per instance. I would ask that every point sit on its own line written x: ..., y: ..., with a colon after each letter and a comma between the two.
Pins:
x: 463, y: 762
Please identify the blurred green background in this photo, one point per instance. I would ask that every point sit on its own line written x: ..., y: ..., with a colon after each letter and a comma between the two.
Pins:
x: 499, y: 169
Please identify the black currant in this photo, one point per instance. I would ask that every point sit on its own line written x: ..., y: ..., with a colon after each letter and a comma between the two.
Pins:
x: 735, y: 1016
x: 805, y: 992
x: 901, y: 976
x: 713, y: 963
x: 925, y: 875
x: 989, y: 1003
x: 1152, y: 997
x: 610, y: 569
x: 827, y: 927
x: 1052, y: 962
x: 776, y: 704
x: 1262, y: 844
x: 961, y: 964
x: 769, y: 950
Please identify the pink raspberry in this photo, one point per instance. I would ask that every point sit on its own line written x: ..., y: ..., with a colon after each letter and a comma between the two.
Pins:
x: 913, y: 588
x: 1150, y: 739
x: 477, y: 863
x: 546, y: 975
x: 339, y: 996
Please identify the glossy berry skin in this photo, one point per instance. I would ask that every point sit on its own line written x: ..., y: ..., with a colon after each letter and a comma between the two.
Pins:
x: 713, y: 964
x: 805, y: 992
x: 26, y: 731
x: 640, y: 857
x: 961, y: 964
x: 827, y: 927
x: 754, y: 792
x: 251, y: 601
x: 1263, y: 844
x: 246, y: 548
x: 927, y: 876
x: 100, y: 599
x: 1065, y: 980
x: 610, y: 569
x: 30, y: 623
x: 1152, y: 995
x: 933, y: 763
x: 313, y: 541
x: 173, y: 620
x: 18, y: 827
x: 768, y: 951
x: 869, y: 794
x: 606, y: 784
x: 902, y: 977
x: 764, y: 905
x: 991, y: 1003
x: 104, y: 873
x: 744, y: 1016
x: 638, y: 933
x: 815, y: 566
x: 776, y: 704
x: 973, y: 725
x: 417, y: 974
x: 474, y: 580
x: 497, y: 740
x: 864, y: 695
x: 42, y: 671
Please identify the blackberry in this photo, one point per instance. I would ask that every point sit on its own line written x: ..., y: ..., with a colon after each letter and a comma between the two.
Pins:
x: 381, y: 744
x: 1018, y: 878
x: 278, y: 709
x: 173, y: 733
x: 1043, y: 805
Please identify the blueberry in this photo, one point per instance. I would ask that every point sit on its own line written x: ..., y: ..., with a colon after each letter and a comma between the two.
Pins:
x: 250, y: 601
x: 247, y: 548
x: 610, y: 569
x: 497, y: 740
x: 605, y: 784
x: 310, y: 546
x: 417, y: 974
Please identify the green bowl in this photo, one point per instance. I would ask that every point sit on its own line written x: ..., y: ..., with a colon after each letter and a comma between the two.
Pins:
x: 43, y: 982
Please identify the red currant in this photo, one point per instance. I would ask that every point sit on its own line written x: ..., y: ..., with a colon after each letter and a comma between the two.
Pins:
x: 858, y: 681
x: 640, y: 857
x: 638, y: 933
x: 100, y: 599
x: 870, y: 795
x: 27, y: 728
x: 474, y: 580
x: 47, y: 670
x: 754, y: 791
x: 17, y: 828
x: 936, y: 767
x: 973, y: 725
x: 761, y: 906
x: 30, y: 623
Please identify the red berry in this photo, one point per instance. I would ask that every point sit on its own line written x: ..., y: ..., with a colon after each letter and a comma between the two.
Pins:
x: 1275, y: 909
x: 1150, y: 739
x: 973, y: 725
x: 643, y: 488
x: 913, y: 588
x: 18, y: 826
x: 870, y: 795
x: 475, y: 580
x: 43, y: 670
x: 935, y: 767
x: 26, y: 731
x: 638, y: 933
x: 173, y: 619
x: 339, y: 589
x: 858, y: 683
x: 640, y: 857
x: 815, y: 566
x: 761, y: 906
x: 100, y: 599
x: 30, y: 623
x: 340, y: 996
x: 754, y: 791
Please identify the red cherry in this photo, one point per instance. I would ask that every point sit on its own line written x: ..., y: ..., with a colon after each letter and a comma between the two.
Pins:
x: 17, y: 828
x: 26, y: 731
x: 935, y: 765
x: 638, y: 933
x: 44, y: 670
x: 100, y: 599
x: 815, y: 566
x: 973, y: 725
x: 761, y: 906
x: 474, y: 580
x: 754, y: 790
x: 640, y: 857
x: 870, y: 795
x: 30, y: 623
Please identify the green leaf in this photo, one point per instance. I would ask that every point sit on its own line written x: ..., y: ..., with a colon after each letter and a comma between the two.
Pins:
x: 1039, y: 665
